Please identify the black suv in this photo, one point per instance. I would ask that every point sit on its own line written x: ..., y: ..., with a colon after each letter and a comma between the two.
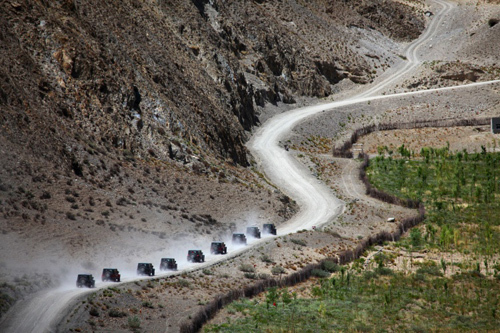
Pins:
x: 145, y: 269
x: 168, y: 264
x: 195, y: 256
x: 110, y: 274
x: 239, y: 239
x: 218, y: 248
x: 85, y: 280
x: 269, y: 229
x: 253, y: 231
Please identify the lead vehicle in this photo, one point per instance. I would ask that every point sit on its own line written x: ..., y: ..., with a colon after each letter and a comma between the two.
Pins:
x: 269, y: 229
x: 85, y: 280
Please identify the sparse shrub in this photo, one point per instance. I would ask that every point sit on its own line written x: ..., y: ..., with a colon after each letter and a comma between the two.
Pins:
x: 71, y: 216
x: 277, y: 270
x: 320, y: 273
x: 94, y: 312
x: 369, y: 275
x: 300, y: 242
x: 206, y: 271
x: 247, y: 268
x: 116, y: 313
x: 330, y: 266
x: 134, y: 322
x: 431, y: 270
x: 251, y: 276
x: 183, y: 283
x: 122, y: 201
x: 266, y: 258
x: 383, y: 271
x: 147, y: 304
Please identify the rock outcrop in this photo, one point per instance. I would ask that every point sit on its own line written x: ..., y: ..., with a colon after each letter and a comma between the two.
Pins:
x: 135, y: 75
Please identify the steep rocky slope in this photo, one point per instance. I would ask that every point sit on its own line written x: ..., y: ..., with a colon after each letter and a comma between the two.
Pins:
x: 136, y: 75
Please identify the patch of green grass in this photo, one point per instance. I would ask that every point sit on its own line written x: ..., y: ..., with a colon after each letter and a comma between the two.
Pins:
x: 460, y: 192
x: 349, y: 302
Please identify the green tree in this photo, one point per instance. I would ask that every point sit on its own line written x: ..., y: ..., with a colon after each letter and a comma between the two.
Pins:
x: 272, y: 296
x: 416, y: 237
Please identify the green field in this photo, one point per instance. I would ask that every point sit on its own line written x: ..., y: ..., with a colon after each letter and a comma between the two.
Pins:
x: 460, y: 192
x: 376, y: 301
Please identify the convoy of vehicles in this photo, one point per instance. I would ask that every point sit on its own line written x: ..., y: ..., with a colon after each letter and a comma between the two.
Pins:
x: 169, y: 264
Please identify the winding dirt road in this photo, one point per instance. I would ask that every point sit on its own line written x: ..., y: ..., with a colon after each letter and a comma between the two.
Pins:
x: 317, y: 203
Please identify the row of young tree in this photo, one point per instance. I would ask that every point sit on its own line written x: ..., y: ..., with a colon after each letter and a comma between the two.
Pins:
x: 459, y: 190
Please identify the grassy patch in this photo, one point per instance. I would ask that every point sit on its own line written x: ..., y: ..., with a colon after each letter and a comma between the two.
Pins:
x: 460, y: 192
x: 398, y: 302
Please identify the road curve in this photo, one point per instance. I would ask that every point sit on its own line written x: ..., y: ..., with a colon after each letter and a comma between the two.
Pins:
x: 411, y: 51
x: 317, y: 203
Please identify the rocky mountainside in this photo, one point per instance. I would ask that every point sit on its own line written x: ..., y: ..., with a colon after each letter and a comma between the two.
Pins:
x: 146, y: 78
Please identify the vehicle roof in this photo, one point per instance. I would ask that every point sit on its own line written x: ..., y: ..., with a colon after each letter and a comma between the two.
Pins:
x: 239, y: 234
x: 84, y: 274
x: 167, y: 259
x: 217, y: 242
x: 193, y: 250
